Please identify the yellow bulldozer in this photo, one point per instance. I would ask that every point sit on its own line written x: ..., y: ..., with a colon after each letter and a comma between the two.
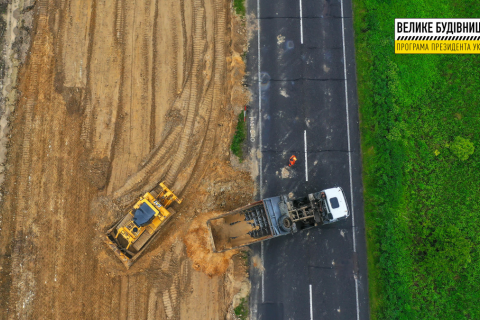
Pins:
x: 129, y: 237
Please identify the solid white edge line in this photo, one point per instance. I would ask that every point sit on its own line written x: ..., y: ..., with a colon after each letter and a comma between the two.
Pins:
x: 263, y: 271
x: 311, y: 305
x: 259, y: 100
x: 349, y: 154
x: 348, y: 130
x: 301, y: 23
x: 260, y: 136
x: 356, y: 297
x: 306, y: 160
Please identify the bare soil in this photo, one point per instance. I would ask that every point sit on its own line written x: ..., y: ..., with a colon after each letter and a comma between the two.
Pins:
x: 114, y: 97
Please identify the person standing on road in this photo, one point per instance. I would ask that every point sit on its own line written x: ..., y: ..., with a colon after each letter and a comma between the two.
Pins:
x: 292, y: 161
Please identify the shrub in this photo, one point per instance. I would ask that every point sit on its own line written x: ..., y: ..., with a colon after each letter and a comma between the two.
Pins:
x: 241, y: 311
x: 462, y: 148
x: 239, y: 137
x: 239, y: 6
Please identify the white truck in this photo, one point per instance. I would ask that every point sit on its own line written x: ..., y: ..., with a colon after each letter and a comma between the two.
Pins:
x: 277, y: 216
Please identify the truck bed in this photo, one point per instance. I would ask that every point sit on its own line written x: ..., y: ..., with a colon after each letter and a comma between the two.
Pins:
x: 240, y: 227
x: 276, y: 216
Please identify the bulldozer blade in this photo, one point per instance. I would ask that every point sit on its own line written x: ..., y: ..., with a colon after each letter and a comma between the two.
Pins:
x: 120, y: 255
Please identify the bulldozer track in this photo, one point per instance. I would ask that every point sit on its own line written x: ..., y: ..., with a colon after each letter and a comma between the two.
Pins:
x: 218, y: 76
x: 119, y: 21
x: 185, y: 275
x: 147, y: 97
x: 23, y: 282
x: 132, y: 297
x: 167, y: 302
x: 198, y: 48
x: 137, y: 181
x: 184, y: 39
x: 152, y: 305
x: 154, y: 66
x: 142, y: 240
x: 167, y: 258
x: 174, y: 294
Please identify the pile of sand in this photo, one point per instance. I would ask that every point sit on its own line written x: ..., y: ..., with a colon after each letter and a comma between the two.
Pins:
x: 200, y: 250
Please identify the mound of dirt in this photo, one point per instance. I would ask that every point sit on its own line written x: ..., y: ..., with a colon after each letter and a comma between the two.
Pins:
x: 199, y: 248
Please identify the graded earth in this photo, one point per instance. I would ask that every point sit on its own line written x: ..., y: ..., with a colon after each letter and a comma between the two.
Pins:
x: 113, y: 98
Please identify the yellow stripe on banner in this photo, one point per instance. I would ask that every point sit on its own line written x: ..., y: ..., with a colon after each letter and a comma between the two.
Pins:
x: 435, y: 47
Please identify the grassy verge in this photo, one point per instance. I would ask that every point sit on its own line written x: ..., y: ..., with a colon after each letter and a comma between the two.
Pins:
x: 245, y: 257
x: 239, y: 137
x: 239, y: 6
x: 420, y: 116
x: 241, y: 311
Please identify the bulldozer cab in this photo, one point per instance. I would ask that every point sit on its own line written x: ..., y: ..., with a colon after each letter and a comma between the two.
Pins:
x: 144, y: 214
x: 131, y: 235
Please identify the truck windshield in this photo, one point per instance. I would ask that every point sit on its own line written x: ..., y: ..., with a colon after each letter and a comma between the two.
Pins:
x: 334, y: 203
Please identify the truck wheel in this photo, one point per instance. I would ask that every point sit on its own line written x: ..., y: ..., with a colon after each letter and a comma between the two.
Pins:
x: 286, y: 223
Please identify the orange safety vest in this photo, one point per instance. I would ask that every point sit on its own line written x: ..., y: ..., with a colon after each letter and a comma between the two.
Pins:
x: 293, y: 159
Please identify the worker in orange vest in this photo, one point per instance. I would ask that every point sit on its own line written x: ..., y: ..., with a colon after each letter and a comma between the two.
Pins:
x: 293, y: 159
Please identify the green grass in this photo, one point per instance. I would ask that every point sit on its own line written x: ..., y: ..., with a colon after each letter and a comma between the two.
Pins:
x: 239, y: 137
x: 245, y: 257
x: 420, y: 117
x: 241, y: 311
x: 239, y: 6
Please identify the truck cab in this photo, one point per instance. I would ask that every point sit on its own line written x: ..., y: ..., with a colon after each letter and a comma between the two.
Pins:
x: 323, y: 207
x: 336, y: 203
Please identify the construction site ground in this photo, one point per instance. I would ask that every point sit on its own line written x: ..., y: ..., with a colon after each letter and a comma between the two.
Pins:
x: 111, y: 98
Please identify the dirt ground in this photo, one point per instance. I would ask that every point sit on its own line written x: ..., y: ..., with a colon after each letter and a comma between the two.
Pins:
x: 114, y: 97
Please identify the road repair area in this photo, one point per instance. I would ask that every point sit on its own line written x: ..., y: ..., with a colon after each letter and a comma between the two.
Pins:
x: 102, y: 101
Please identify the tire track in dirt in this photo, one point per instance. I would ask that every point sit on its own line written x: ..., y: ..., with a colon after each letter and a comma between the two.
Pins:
x: 212, y: 96
x: 184, y: 65
x: 102, y: 104
x: 152, y: 305
x: 124, y: 296
x: 54, y: 194
x: 132, y: 297
x: 144, y: 175
x: 24, y: 284
x: 119, y: 20
x: 150, y: 118
x: 174, y: 68
x: 219, y: 76
x: 188, y: 100
x: 198, y: 48
x: 79, y: 243
x: 57, y: 206
x: 154, y: 64
x: 137, y: 82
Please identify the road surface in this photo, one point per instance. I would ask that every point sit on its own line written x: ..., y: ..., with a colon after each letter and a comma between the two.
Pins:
x: 302, y: 75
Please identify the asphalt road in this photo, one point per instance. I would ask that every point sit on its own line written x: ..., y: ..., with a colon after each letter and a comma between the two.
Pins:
x: 302, y: 76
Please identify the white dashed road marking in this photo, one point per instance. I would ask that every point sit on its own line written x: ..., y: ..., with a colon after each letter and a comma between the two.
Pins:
x: 263, y: 272
x: 311, y: 305
x: 301, y: 23
x: 306, y: 160
x: 259, y: 102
